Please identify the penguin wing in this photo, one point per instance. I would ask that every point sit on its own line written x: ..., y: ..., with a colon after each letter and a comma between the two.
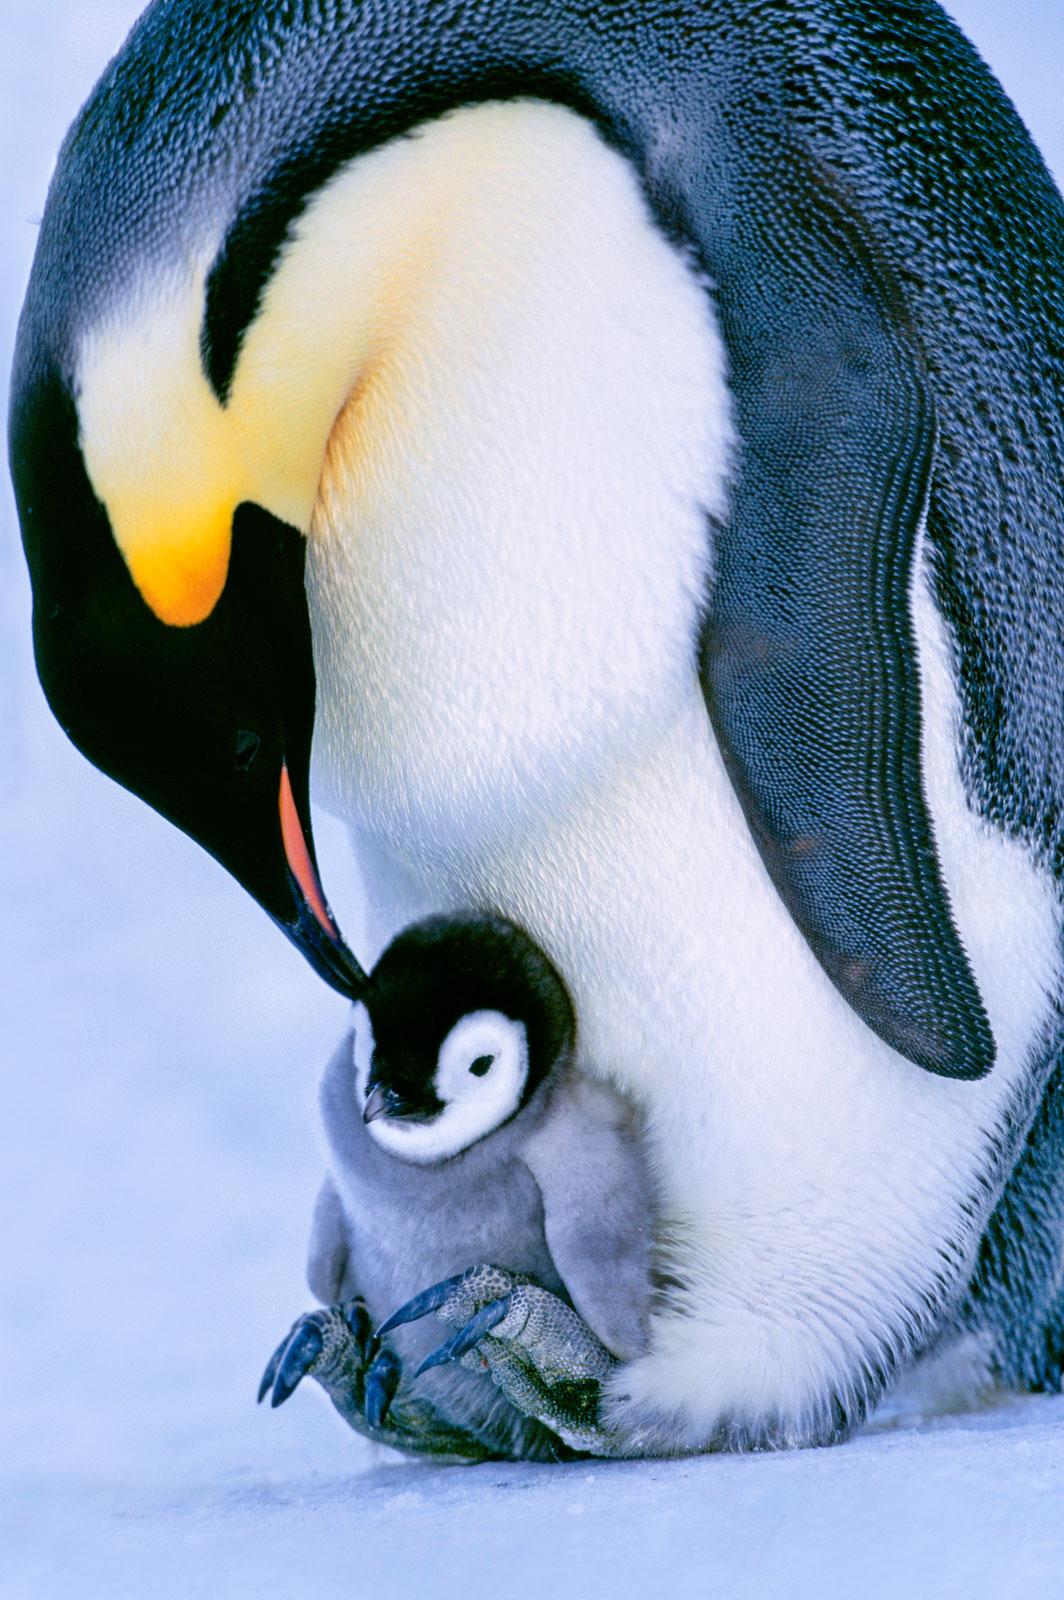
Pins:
x: 808, y: 658
x: 328, y: 1253
x: 597, y: 1210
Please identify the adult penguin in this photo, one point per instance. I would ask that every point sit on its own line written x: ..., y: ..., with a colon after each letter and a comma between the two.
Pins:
x: 664, y: 403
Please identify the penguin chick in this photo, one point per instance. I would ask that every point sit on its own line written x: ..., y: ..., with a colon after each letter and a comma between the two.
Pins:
x: 459, y: 1133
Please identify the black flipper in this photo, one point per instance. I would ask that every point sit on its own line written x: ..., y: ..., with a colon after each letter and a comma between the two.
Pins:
x: 808, y: 661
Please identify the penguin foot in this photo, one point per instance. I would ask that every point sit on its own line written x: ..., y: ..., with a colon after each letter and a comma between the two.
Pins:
x: 538, y: 1351
x: 337, y: 1347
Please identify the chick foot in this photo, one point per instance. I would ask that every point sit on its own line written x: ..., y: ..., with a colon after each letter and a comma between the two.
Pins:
x: 363, y: 1378
x: 538, y: 1351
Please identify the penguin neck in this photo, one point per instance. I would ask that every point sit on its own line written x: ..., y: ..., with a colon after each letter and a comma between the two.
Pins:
x: 509, y: 549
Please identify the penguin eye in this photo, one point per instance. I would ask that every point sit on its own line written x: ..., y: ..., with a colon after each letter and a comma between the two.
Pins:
x: 247, y: 748
x: 483, y: 1066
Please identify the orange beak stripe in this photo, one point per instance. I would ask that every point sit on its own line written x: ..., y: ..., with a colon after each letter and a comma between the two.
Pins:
x: 298, y: 857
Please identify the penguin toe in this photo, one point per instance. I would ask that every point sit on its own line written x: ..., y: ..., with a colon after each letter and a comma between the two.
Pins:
x: 337, y: 1347
x: 382, y: 1381
x: 456, y: 1300
x: 466, y: 1338
x: 271, y: 1368
x: 360, y: 1325
x: 317, y: 1342
x: 420, y: 1306
x: 302, y: 1351
x: 294, y: 1357
x: 538, y: 1351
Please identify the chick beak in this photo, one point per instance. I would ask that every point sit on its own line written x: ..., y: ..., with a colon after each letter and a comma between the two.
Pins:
x: 376, y: 1104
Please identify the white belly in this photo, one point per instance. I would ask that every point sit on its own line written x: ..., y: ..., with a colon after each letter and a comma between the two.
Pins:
x: 506, y: 569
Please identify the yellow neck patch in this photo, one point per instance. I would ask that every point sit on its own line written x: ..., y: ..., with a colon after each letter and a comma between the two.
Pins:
x: 165, y: 466
x: 348, y: 319
x: 168, y: 462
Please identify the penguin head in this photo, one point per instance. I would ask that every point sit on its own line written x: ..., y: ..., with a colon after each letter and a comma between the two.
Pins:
x: 165, y: 532
x: 228, y: 259
x: 175, y: 381
x: 211, y: 722
x: 465, y: 1018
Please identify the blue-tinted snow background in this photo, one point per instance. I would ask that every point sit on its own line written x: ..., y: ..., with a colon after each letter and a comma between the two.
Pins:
x: 160, y: 1045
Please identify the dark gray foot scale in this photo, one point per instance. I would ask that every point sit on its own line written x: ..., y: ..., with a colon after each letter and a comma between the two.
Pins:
x: 336, y: 1346
x: 538, y: 1351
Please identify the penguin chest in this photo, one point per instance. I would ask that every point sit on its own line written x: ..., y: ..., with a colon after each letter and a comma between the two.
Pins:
x: 509, y: 552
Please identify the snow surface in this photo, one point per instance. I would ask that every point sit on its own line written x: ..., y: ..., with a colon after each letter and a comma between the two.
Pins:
x: 158, y: 1164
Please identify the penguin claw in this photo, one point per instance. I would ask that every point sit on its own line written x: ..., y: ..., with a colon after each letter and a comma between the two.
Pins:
x: 271, y: 1369
x: 358, y: 1320
x: 335, y: 1346
x: 382, y: 1380
x: 536, y: 1348
x: 487, y: 1317
x: 300, y: 1354
x: 422, y: 1304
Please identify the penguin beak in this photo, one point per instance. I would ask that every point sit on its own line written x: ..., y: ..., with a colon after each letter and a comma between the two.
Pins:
x: 210, y: 723
x: 165, y: 518
x: 382, y: 1102
x: 314, y: 930
x: 376, y: 1105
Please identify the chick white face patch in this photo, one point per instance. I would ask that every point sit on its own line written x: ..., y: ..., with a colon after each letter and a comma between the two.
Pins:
x: 483, y: 1063
x: 481, y: 1072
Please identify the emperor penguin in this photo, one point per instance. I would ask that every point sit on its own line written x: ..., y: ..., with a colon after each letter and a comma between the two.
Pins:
x: 628, y: 439
x: 465, y: 1147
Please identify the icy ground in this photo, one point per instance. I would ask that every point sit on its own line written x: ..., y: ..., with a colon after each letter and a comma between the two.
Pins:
x: 157, y: 1167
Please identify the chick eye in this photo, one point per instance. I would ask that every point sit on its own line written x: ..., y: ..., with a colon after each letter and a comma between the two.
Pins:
x: 481, y: 1065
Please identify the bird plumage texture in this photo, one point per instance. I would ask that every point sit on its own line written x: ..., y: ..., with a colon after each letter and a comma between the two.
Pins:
x: 559, y: 1194
x: 669, y: 396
